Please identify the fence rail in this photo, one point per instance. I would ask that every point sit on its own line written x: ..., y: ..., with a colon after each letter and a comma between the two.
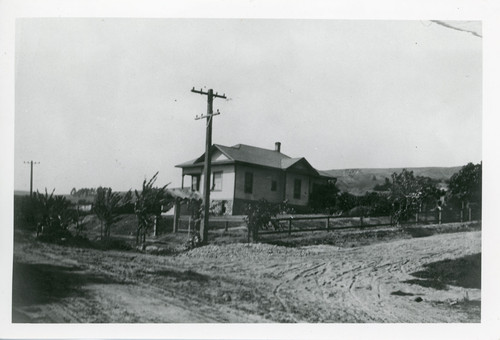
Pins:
x: 288, y: 224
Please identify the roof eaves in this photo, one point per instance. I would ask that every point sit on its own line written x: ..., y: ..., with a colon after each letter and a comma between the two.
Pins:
x: 182, y: 165
x: 200, y: 165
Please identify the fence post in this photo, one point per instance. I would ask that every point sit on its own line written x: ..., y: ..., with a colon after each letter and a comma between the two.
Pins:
x: 176, y: 215
x: 289, y: 226
x: 470, y: 214
x: 328, y: 223
x: 226, y: 226
x: 361, y: 221
x: 155, y: 227
x: 439, y: 216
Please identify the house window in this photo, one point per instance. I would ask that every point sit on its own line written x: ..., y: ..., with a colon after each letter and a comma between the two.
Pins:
x: 217, y: 181
x: 274, y: 185
x: 195, y: 183
x: 248, y: 182
x: 296, y: 188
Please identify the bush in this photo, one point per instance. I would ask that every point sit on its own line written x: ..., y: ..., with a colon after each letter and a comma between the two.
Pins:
x: 50, y: 215
x: 260, y: 214
x: 323, y: 198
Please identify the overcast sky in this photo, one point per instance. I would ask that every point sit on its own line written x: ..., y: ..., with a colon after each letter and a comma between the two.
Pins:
x: 107, y: 102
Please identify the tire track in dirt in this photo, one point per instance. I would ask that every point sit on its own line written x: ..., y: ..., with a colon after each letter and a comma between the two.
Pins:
x: 296, y: 276
x: 317, y: 284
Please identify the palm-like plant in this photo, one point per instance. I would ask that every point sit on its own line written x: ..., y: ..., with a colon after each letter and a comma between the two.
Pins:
x: 51, y: 213
x: 148, y: 207
x: 106, y: 204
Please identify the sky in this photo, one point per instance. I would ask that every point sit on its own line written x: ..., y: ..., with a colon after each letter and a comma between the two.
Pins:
x: 107, y: 102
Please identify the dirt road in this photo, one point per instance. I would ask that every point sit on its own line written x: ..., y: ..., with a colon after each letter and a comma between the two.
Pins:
x: 384, y: 282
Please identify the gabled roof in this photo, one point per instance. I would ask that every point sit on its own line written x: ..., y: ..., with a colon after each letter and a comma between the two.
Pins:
x: 253, y: 155
x: 298, y: 163
x: 242, y: 153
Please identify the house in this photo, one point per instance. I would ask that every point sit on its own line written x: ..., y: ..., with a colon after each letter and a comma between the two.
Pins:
x: 242, y: 173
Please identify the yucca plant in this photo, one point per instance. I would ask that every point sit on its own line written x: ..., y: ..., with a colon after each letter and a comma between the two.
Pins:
x: 148, y: 207
x: 106, y: 205
x: 52, y: 213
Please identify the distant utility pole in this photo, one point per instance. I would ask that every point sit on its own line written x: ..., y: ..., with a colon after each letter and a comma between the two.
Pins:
x: 31, y: 176
x: 206, y: 190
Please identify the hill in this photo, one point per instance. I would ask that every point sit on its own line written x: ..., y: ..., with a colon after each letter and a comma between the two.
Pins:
x: 359, y: 181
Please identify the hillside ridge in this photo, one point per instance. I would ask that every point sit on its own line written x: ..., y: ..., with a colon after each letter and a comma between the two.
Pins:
x: 358, y: 181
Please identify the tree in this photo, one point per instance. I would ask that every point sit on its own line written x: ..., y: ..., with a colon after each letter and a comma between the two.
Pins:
x: 383, y: 187
x: 465, y: 185
x: 377, y: 204
x: 409, y: 192
x: 346, y: 202
x: 323, y: 197
x: 148, y: 207
x: 106, y: 205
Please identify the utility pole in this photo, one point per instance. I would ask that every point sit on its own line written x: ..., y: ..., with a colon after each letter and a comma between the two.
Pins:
x: 31, y: 176
x: 206, y: 183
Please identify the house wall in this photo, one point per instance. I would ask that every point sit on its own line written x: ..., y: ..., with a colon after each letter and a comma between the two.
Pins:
x: 262, y: 179
x: 304, y: 189
x: 233, y: 186
x: 227, y: 182
x: 217, y: 197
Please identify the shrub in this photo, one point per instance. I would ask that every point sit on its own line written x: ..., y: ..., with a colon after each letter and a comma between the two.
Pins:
x: 51, y: 214
x: 260, y: 214
x: 323, y: 198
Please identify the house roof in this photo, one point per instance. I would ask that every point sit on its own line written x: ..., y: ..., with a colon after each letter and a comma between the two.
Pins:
x: 253, y: 155
x: 243, y: 153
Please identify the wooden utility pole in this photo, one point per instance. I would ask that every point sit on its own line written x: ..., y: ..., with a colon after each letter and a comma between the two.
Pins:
x: 206, y: 173
x: 31, y: 176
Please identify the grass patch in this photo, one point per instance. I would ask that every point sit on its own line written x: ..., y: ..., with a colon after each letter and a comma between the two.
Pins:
x: 400, y: 293
x: 187, y: 275
x: 419, y: 232
x: 463, y: 272
x: 45, y: 283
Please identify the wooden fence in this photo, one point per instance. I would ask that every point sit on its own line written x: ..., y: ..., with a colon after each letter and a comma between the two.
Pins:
x: 187, y: 224
x: 287, y: 224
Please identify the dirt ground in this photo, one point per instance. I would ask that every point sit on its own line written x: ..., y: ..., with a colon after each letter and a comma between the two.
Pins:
x: 425, y: 279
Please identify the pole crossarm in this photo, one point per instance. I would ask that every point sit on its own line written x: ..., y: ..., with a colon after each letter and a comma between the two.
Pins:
x: 216, y: 94
x: 207, y: 115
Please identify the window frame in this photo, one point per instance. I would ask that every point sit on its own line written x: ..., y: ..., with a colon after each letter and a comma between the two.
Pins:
x: 248, y: 183
x: 213, y: 181
x: 274, y: 185
x: 297, y: 188
x: 197, y: 187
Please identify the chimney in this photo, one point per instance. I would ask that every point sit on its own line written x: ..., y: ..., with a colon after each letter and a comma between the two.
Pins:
x: 277, y: 146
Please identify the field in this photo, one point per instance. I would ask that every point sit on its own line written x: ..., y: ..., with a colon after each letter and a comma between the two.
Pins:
x: 356, y: 277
